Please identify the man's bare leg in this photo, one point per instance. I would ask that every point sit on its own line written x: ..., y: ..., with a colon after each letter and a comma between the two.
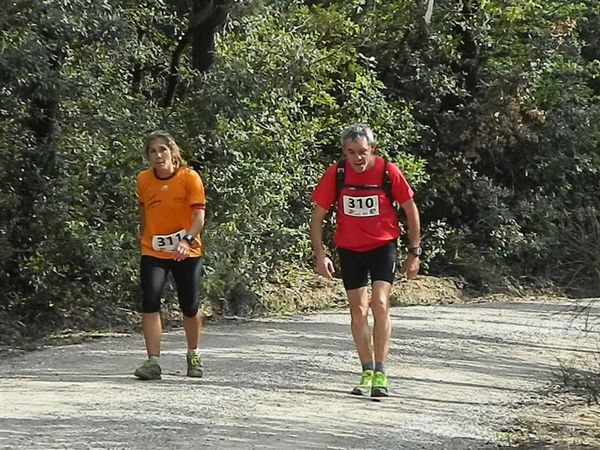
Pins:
x: 382, y: 327
x: 359, y: 313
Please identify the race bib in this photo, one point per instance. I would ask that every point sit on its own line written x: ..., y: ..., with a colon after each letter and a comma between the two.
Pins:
x: 361, y: 206
x: 167, y: 242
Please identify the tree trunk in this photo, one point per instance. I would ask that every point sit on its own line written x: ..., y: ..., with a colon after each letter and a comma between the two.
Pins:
x: 469, y: 48
x: 207, y: 16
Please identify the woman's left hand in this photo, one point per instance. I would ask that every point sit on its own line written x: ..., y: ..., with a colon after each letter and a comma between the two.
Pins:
x: 182, y: 251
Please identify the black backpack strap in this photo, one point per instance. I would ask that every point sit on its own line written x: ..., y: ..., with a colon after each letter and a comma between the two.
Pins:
x: 386, y: 183
x: 340, y: 177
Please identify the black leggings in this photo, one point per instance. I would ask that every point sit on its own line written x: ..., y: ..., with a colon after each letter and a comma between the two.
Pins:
x: 153, y: 277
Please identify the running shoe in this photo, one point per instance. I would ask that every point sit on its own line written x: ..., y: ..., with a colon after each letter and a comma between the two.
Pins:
x: 150, y: 370
x: 379, y: 387
x: 366, y: 381
x: 194, y: 366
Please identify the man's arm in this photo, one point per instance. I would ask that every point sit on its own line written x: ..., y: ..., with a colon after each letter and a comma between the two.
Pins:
x: 413, y: 223
x: 324, y: 265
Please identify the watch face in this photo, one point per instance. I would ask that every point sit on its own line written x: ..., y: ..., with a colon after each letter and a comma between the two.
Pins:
x: 416, y: 251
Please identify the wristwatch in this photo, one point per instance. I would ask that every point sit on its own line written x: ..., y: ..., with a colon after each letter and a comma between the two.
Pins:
x: 417, y: 251
x: 189, y: 239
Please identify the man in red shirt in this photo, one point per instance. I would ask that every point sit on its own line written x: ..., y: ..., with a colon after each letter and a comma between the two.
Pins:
x: 366, y: 237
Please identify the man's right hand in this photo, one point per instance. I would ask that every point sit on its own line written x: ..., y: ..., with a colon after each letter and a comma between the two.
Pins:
x: 325, y: 267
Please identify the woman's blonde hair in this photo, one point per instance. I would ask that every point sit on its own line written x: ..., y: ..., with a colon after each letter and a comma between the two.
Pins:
x: 178, y: 160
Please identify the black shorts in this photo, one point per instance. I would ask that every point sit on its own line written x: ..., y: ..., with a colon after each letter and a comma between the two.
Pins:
x: 378, y: 264
x: 186, y: 273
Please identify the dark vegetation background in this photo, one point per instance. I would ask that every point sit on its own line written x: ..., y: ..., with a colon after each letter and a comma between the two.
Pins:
x: 491, y: 110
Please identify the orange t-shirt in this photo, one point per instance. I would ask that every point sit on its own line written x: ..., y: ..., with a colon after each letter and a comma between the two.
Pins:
x: 168, y: 205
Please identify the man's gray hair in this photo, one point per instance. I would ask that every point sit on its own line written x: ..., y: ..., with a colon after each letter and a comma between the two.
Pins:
x: 358, y: 130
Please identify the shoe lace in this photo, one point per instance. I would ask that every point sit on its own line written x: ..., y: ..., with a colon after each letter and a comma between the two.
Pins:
x: 378, y: 379
x: 194, y: 360
x: 366, y: 378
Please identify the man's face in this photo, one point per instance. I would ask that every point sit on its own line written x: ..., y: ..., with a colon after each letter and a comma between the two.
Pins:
x: 359, y: 154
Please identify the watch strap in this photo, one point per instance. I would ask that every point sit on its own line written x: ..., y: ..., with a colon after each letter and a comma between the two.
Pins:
x: 417, y: 251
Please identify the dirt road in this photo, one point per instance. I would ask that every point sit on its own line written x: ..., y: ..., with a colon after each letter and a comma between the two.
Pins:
x: 460, y: 376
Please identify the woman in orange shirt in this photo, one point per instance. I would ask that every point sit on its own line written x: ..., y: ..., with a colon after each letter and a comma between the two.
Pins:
x: 172, y: 210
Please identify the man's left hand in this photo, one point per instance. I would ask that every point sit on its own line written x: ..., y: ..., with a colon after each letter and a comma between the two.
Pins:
x: 411, y: 266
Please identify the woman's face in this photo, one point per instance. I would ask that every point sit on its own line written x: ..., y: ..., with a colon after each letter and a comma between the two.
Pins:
x: 161, y: 157
x: 359, y: 154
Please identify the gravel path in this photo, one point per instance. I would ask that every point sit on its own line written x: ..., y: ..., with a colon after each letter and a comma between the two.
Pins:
x: 457, y: 374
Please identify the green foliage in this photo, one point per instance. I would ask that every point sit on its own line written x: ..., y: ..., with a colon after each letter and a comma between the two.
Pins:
x: 272, y: 117
x: 506, y: 98
x: 491, y: 111
x: 68, y: 138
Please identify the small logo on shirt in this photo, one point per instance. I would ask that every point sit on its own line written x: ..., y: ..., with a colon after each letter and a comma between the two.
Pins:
x: 164, y: 187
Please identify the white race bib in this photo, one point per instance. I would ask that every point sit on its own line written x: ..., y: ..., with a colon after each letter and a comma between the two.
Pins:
x: 167, y: 242
x: 361, y: 206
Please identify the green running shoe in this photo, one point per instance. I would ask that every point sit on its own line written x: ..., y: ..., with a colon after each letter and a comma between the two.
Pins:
x: 194, y: 366
x: 150, y: 370
x: 380, y: 385
x: 366, y: 381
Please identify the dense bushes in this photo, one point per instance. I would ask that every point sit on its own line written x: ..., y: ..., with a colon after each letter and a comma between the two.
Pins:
x: 491, y: 111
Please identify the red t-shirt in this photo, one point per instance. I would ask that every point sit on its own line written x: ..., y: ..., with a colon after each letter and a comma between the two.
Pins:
x: 365, y: 218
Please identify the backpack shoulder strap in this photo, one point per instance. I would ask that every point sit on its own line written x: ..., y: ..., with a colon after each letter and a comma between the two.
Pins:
x: 340, y: 177
x: 386, y: 183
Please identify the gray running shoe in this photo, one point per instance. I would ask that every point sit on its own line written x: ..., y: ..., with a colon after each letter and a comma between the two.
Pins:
x: 194, y: 366
x: 150, y: 370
